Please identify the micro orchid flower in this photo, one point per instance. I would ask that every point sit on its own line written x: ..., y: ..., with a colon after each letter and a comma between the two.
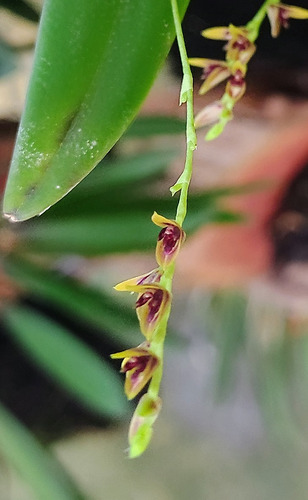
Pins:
x: 238, y: 47
x: 236, y: 85
x: 214, y: 72
x: 138, y: 364
x: 279, y: 15
x: 151, y: 303
x: 169, y: 239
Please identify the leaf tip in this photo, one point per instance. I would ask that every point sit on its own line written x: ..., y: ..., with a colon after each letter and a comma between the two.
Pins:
x: 11, y: 217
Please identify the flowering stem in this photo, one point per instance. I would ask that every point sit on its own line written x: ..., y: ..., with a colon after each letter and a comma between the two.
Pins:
x: 254, y: 25
x: 157, y: 347
x: 144, y: 364
x: 181, y: 185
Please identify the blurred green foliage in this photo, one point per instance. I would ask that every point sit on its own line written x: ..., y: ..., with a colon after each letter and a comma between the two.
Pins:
x: 109, y: 212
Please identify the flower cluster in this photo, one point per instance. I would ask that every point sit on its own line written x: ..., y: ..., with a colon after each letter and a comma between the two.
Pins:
x: 239, y: 49
x: 152, y: 306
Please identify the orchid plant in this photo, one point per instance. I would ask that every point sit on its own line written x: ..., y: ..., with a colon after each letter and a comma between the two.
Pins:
x: 72, y: 119
x: 143, y: 365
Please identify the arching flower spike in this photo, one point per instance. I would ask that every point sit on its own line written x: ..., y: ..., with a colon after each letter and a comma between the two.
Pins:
x: 138, y: 364
x: 169, y: 239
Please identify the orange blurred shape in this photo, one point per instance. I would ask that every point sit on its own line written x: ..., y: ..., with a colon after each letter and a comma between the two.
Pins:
x: 232, y: 255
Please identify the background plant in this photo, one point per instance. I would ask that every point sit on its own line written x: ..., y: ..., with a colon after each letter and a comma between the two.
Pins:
x: 62, y: 230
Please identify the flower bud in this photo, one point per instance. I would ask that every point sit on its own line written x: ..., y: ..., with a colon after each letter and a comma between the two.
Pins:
x: 208, y: 115
x: 140, y: 430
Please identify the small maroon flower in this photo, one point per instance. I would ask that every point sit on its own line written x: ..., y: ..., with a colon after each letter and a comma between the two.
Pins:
x: 169, y: 239
x: 236, y: 85
x: 170, y: 236
x: 214, y: 72
x: 279, y: 15
x: 150, y: 306
x: 151, y: 303
x: 153, y: 299
x: 238, y: 47
x: 138, y: 365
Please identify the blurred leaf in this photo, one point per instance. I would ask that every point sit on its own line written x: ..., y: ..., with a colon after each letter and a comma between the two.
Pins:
x: 210, y: 214
x: 227, y: 312
x: 122, y: 227
x: 21, y: 8
x: 69, y: 361
x: 118, y: 321
x: 299, y: 342
x: 32, y: 461
x: 271, y: 365
x: 275, y: 395
x: 145, y: 126
x: 98, y: 235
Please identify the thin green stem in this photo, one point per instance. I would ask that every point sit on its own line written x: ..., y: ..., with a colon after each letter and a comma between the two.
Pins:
x: 182, y: 185
x: 191, y: 140
x: 157, y: 344
x: 254, y: 25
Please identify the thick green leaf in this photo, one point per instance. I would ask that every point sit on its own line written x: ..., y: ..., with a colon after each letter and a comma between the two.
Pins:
x: 32, y: 461
x: 145, y: 126
x: 117, y: 321
x: 68, y: 360
x: 95, y: 62
x: 113, y: 181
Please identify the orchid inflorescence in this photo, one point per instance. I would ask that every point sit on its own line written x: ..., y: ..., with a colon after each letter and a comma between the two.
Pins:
x: 143, y: 364
x: 239, y: 49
